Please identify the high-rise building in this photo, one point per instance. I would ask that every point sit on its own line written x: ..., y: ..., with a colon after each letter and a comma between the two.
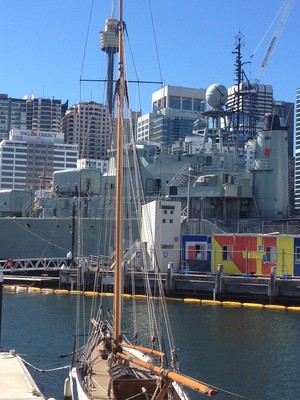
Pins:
x: 285, y: 111
x: 250, y: 102
x: 89, y: 125
x: 44, y: 114
x: 297, y: 154
x: 30, y: 113
x: 174, y: 111
x: 28, y: 157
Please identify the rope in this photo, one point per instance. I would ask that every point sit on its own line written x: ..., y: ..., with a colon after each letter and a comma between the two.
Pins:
x: 155, y: 40
x: 231, y: 393
x: 86, y: 40
x: 37, y: 236
x: 43, y: 370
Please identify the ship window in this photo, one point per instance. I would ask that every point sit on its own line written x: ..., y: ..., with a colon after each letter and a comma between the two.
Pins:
x: 208, y: 160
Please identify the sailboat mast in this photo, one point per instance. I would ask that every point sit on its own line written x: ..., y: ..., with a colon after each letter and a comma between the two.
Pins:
x: 119, y: 183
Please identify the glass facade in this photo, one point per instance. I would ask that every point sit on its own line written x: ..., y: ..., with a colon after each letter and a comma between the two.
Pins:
x: 168, y: 130
x: 175, y: 109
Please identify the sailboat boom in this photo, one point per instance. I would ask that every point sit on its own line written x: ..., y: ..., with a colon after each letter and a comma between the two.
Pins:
x: 178, y: 378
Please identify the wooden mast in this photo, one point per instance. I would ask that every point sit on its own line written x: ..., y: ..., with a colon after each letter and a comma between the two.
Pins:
x: 119, y: 183
x: 181, y: 379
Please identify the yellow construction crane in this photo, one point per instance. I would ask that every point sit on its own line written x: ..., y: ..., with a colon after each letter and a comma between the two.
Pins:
x: 286, y: 9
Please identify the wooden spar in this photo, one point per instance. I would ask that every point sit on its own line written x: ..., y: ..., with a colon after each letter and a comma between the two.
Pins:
x: 143, y: 349
x: 173, y: 376
x: 119, y: 184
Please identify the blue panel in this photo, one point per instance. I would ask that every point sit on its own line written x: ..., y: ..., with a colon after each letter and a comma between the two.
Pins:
x: 197, y: 265
x: 296, y: 264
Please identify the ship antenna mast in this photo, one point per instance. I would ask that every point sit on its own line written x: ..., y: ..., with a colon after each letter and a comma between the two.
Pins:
x: 239, y: 76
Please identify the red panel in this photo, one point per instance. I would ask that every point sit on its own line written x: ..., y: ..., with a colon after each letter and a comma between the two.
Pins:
x: 266, y: 267
x: 240, y: 244
x: 191, y: 252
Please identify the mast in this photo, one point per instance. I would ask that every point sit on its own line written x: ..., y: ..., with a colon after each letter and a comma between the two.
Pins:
x: 119, y: 183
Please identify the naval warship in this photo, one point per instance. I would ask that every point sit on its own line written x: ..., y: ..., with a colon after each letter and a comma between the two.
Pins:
x: 224, y: 184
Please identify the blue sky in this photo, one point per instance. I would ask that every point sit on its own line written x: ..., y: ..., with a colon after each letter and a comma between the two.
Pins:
x: 43, y: 42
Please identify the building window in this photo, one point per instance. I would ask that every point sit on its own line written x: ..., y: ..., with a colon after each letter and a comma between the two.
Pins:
x: 200, y: 252
x: 174, y: 102
x: 297, y: 250
x: 186, y: 103
x: 227, y: 253
x: 270, y: 254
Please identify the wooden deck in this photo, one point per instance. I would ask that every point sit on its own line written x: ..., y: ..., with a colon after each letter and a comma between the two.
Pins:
x: 100, y: 381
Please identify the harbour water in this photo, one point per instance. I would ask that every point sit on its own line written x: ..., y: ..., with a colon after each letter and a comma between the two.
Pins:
x: 252, y: 352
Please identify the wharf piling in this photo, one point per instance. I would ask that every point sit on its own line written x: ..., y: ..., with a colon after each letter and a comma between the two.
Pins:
x: 205, y: 285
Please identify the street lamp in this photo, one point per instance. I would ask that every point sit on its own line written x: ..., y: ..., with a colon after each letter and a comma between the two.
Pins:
x: 188, y: 193
x: 201, y: 214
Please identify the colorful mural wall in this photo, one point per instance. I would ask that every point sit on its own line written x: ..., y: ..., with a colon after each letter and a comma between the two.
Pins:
x: 242, y: 254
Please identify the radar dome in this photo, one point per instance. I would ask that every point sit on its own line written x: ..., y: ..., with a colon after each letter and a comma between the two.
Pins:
x: 216, y: 95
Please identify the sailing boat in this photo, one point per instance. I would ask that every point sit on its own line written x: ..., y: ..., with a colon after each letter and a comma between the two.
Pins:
x: 108, y: 366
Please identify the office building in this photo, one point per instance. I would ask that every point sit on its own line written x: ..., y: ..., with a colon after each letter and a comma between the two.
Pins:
x: 174, y: 111
x: 297, y: 154
x: 285, y: 111
x: 30, y: 157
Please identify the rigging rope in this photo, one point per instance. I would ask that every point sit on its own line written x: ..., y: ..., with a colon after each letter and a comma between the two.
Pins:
x: 155, y: 40
x: 38, y: 236
x: 42, y: 369
x: 86, y: 39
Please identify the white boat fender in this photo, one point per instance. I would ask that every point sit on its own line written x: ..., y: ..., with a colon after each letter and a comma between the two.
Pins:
x: 68, y: 389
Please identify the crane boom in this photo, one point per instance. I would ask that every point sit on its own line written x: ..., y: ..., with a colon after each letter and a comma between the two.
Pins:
x: 283, y: 18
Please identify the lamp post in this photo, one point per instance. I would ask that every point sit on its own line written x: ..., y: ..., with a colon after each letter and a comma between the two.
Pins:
x: 201, y: 214
x: 188, y: 193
